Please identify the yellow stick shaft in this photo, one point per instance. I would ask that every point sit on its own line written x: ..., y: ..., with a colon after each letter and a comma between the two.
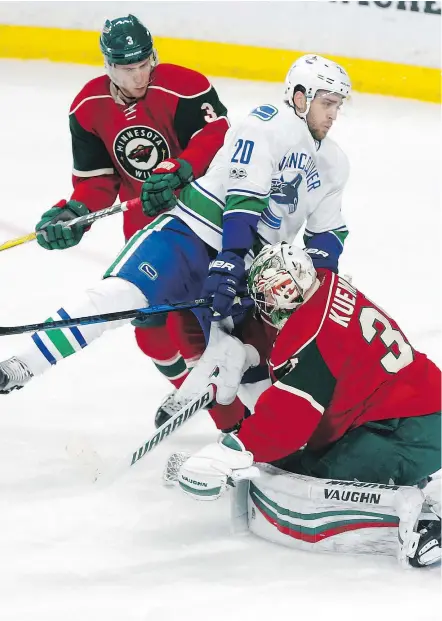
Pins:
x: 18, y: 241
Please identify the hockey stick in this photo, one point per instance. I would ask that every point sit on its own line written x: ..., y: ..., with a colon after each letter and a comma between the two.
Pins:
x: 86, y: 220
x: 89, y: 218
x: 95, y: 466
x: 18, y: 241
x: 137, y: 313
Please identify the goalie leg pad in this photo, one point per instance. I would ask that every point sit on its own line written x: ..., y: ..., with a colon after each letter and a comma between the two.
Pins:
x: 334, y: 516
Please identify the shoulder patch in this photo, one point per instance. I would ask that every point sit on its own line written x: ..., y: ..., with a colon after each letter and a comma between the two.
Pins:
x: 265, y: 112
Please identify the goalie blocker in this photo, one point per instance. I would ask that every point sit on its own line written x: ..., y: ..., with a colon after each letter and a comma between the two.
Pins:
x: 325, y: 515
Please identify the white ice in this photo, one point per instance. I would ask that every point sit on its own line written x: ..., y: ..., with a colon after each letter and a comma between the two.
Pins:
x: 137, y: 551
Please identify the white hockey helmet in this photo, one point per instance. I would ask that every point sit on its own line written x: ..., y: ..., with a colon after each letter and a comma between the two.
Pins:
x: 313, y: 73
x: 279, y: 279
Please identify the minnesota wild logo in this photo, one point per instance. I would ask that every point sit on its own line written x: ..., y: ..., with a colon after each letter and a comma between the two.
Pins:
x: 139, y: 149
x: 141, y: 153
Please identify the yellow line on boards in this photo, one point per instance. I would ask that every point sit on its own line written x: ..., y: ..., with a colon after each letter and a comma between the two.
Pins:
x: 222, y: 59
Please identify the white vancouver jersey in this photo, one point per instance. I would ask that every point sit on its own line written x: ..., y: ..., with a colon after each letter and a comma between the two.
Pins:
x: 271, y: 154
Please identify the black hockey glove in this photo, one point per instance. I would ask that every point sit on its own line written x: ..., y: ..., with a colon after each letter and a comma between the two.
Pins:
x: 157, y: 192
x: 50, y: 232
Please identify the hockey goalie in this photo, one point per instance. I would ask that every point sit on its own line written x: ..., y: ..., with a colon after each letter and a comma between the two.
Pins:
x: 342, y: 440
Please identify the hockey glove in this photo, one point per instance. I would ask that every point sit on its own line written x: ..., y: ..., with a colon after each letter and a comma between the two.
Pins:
x: 51, y: 234
x: 226, y: 279
x: 157, y: 192
x: 207, y: 474
x: 230, y: 357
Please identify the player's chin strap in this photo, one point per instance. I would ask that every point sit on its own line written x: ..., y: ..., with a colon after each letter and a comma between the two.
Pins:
x: 95, y: 467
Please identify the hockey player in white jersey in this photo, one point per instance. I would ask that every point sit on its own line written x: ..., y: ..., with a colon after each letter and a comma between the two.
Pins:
x: 276, y: 171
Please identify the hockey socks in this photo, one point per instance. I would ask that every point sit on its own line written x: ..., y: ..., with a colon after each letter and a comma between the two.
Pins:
x: 155, y: 342
x: 174, y: 347
x: 45, y: 349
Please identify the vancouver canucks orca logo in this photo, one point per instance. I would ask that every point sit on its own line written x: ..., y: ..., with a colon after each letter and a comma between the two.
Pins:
x: 286, y: 192
x: 283, y: 193
x: 139, y: 149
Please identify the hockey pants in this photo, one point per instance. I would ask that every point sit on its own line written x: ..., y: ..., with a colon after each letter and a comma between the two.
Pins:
x: 402, y: 451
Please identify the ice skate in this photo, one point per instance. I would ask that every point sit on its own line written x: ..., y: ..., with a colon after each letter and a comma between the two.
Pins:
x: 14, y: 374
x: 169, y: 406
x: 428, y: 550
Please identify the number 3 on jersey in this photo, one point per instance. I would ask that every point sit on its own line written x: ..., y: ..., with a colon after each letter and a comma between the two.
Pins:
x: 243, y: 151
x: 392, y: 362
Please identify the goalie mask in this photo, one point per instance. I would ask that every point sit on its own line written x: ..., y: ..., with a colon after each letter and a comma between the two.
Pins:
x: 280, y: 277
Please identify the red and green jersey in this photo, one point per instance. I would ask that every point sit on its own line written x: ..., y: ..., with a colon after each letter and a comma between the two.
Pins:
x: 340, y: 361
x: 115, y: 145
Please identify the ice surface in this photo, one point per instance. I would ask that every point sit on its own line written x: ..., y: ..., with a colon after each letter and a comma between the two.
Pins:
x: 137, y: 551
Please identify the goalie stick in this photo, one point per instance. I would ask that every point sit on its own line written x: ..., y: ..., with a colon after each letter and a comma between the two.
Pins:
x: 115, y: 316
x: 87, y: 220
x: 95, y: 466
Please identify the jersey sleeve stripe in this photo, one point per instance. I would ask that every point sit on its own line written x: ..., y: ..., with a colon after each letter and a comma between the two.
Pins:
x: 200, y: 218
x: 166, y: 90
x: 242, y: 192
x: 88, y: 99
x: 93, y: 173
x: 337, y: 230
x: 300, y: 393
x: 212, y: 197
x: 254, y: 211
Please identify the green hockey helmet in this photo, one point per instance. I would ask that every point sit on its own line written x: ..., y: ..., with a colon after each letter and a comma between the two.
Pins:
x: 125, y: 40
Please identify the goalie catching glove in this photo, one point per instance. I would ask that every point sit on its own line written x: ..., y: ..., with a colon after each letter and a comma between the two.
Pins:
x: 52, y: 235
x: 158, y: 191
x: 207, y: 474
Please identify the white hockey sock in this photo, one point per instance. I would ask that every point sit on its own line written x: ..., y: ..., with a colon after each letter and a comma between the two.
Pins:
x: 45, y: 349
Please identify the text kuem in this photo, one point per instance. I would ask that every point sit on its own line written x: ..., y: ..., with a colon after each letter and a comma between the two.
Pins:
x: 343, y: 303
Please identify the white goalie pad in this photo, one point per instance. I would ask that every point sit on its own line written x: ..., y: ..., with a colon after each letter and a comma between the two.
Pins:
x: 328, y: 515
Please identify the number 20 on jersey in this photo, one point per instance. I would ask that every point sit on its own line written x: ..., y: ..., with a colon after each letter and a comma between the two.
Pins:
x: 243, y: 151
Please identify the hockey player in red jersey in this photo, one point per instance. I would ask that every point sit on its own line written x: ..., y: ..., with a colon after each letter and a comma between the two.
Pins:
x: 140, y: 120
x: 350, y: 397
x: 339, y: 363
